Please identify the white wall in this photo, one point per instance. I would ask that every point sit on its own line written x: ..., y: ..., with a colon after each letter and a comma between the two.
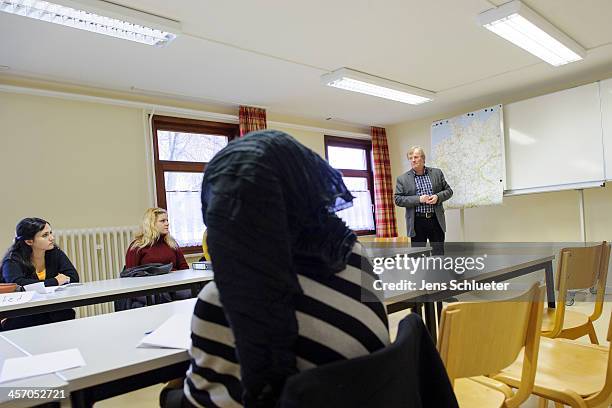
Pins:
x: 75, y: 164
x: 84, y: 164
x: 535, y: 217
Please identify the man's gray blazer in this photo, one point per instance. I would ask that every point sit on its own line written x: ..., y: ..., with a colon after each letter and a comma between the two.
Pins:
x: 406, y: 196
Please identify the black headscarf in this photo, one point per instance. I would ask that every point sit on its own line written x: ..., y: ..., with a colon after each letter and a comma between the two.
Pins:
x: 268, y: 203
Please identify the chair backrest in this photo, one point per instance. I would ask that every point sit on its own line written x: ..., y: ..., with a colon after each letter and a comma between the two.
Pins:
x: 392, y: 239
x: 601, y: 283
x: 583, y: 266
x: 580, y: 268
x: 205, y: 253
x: 408, y: 374
x: 481, y: 338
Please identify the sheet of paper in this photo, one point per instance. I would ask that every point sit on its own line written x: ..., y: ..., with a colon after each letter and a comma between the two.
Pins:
x: 40, y: 287
x: 30, y: 366
x: 36, y: 287
x: 15, y: 298
x: 173, y: 333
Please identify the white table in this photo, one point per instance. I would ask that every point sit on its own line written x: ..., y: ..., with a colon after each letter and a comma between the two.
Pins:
x: 108, y: 345
x: 110, y: 290
x: 52, y: 383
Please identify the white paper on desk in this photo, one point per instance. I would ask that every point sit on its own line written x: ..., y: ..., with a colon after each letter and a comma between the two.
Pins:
x: 173, y: 333
x: 40, y: 287
x: 30, y: 366
x: 15, y: 298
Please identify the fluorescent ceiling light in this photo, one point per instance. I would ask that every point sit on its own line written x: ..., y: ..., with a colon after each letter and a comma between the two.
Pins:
x: 522, y: 26
x: 350, y: 80
x: 99, y: 17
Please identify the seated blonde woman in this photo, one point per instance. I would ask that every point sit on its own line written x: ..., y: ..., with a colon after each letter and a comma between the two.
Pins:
x: 154, y: 244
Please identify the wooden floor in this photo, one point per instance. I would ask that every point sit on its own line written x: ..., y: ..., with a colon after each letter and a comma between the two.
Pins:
x: 148, y: 397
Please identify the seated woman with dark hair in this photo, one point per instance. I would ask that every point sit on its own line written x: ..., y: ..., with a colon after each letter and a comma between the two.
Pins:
x: 34, y: 258
x: 293, y: 287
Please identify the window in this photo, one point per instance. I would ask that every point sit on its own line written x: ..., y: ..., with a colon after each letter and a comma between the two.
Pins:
x: 353, y: 158
x: 182, y: 148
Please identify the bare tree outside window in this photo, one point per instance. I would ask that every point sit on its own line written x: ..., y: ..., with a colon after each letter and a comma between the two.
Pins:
x: 353, y: 159
x: 183, y: 147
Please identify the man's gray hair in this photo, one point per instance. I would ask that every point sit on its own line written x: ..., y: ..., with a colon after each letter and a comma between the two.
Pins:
x: 416, y: 149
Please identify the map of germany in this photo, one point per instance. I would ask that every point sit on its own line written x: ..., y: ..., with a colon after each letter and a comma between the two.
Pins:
x: 469, y: 150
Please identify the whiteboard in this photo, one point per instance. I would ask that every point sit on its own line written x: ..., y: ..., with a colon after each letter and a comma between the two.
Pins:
x: 606, y: 120
x: 554, y: 141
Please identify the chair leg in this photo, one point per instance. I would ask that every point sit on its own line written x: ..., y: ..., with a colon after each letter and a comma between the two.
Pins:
x: 592, y: 334
x: 542, y: 403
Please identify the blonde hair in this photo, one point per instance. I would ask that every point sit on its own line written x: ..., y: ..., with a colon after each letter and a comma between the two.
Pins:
x: 148, y: 234
x: 415, y: 149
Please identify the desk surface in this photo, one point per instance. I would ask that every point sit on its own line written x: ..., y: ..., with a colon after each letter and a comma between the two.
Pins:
x: 48, y: 381
x: 107, y: 342
x: 92, y: 291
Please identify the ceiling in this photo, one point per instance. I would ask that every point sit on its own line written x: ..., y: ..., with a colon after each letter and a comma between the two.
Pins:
x: 271, y: 53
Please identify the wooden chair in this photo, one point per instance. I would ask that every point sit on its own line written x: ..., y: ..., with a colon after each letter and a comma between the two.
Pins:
x: 478, y: 338
x: 393, y: 240
x: 578, y: 268
x: 205, y: 253
x: 569, y: 373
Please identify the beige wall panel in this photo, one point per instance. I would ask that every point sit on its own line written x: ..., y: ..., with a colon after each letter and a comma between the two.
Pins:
x: 535, y: 217
x: 76, y: 164
x: 312, y: 140
x: 598, y: 213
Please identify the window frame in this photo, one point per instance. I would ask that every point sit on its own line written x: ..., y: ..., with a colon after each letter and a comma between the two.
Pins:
x: 173, y: 124
x: 368, y: 173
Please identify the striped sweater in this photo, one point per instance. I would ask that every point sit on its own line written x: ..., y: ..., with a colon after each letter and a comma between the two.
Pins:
x: 334, y: 324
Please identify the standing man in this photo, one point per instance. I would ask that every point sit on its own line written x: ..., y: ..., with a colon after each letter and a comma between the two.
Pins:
x: 422, y: 190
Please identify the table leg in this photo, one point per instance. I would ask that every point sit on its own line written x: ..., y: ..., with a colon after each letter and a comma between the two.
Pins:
x: 53, y: 404
x: 430, y: 320
x: 417, y: 309
x: 79, y: 399
x: 550, y: 284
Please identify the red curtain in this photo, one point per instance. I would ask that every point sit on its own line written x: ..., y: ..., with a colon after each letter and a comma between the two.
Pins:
x: 251, y: 119
x: 386, y: 225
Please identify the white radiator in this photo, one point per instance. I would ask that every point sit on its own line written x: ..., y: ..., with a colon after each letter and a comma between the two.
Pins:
x: 96, y: 253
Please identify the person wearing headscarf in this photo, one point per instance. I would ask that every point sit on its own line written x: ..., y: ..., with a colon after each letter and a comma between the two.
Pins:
x: 290, y: 276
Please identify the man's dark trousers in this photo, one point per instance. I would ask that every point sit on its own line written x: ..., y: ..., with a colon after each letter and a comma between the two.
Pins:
x: 428, y: 228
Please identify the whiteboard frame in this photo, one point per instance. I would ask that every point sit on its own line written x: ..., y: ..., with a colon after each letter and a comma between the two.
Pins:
x: 503, y: 150
x: 557, y: 187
